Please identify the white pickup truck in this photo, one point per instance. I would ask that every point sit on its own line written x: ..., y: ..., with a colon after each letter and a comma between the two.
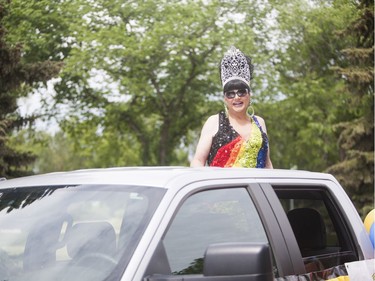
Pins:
x: 178, y: 223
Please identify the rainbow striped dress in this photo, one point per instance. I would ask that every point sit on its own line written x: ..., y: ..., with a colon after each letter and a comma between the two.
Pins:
x: 229, y: 149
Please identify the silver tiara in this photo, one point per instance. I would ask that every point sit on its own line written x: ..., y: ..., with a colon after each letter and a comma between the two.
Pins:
x: 234, y: 66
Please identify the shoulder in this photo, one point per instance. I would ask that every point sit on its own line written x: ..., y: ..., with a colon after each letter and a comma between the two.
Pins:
x: 213, y: 118
x: 211, y: 125
x: 261, y: 122
x: 260, y: 119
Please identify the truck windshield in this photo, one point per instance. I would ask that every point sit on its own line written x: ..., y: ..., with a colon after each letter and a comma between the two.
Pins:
x: 80, y: 232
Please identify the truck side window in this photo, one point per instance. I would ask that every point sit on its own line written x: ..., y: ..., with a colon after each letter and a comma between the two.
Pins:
x: 319, y: 228
x: 207, y: 217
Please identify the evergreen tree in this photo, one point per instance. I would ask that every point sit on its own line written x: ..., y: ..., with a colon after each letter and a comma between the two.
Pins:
x: 16, y: 77
x: 356, y: 135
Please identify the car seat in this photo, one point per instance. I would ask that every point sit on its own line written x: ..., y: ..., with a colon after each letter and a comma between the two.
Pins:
x: 309, y: 229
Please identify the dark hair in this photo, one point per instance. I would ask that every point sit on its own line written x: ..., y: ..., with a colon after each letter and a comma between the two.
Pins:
x: 238, y: 84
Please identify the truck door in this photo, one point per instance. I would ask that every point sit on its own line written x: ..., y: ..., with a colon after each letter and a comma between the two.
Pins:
x: 323, y: 236
x: 222, y: 214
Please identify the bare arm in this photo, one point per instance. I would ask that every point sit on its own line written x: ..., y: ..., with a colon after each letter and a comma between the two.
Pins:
x: 209, y: 129
x: 268, y: 159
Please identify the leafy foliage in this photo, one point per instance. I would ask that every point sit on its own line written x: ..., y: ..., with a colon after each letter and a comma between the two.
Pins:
x: 356, y: 134
x: 15, y: 78
x: 162, y: 59
x: 300, y: 121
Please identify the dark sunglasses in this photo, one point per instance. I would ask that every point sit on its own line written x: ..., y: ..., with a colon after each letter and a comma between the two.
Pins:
x: 240, y: 93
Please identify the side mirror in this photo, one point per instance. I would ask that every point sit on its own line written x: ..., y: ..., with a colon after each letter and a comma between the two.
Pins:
x: 233, y: 259
x: 230, y: 262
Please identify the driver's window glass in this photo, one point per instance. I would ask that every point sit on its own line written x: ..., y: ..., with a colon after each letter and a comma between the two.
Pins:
x: 214, y: 216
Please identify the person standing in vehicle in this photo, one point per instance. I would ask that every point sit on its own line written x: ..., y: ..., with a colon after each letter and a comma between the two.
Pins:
x: 234, y: 137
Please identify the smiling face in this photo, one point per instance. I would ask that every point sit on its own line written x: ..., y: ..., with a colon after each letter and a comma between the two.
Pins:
x: 237, y: 95
x: 237, y: 100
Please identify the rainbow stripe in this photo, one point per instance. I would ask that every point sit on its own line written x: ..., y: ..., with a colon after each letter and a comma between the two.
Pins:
x: 240, y: 152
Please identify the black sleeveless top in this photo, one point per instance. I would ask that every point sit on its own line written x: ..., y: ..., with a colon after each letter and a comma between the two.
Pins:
x: 229, y: 149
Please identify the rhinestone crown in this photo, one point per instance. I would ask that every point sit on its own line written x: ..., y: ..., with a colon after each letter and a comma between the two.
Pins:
x: 234, y: 66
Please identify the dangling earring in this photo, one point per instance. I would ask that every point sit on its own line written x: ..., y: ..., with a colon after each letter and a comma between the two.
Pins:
x: 250, y: 109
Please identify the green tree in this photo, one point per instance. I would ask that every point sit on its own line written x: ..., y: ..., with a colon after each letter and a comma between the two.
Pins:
x: 308, y: 98
x: 162, y: 58
x: 355, y: 170
x: 16, y: 77
x: 168, y: 52
x: 42, y: 27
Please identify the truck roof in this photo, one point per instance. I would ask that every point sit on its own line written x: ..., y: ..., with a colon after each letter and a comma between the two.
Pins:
x: 157, y: 176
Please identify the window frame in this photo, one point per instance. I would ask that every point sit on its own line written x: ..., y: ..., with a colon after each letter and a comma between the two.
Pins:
x: 222, y: 222
x: 334, y: 209
x: 289, y: 257
x: 274, y: 231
